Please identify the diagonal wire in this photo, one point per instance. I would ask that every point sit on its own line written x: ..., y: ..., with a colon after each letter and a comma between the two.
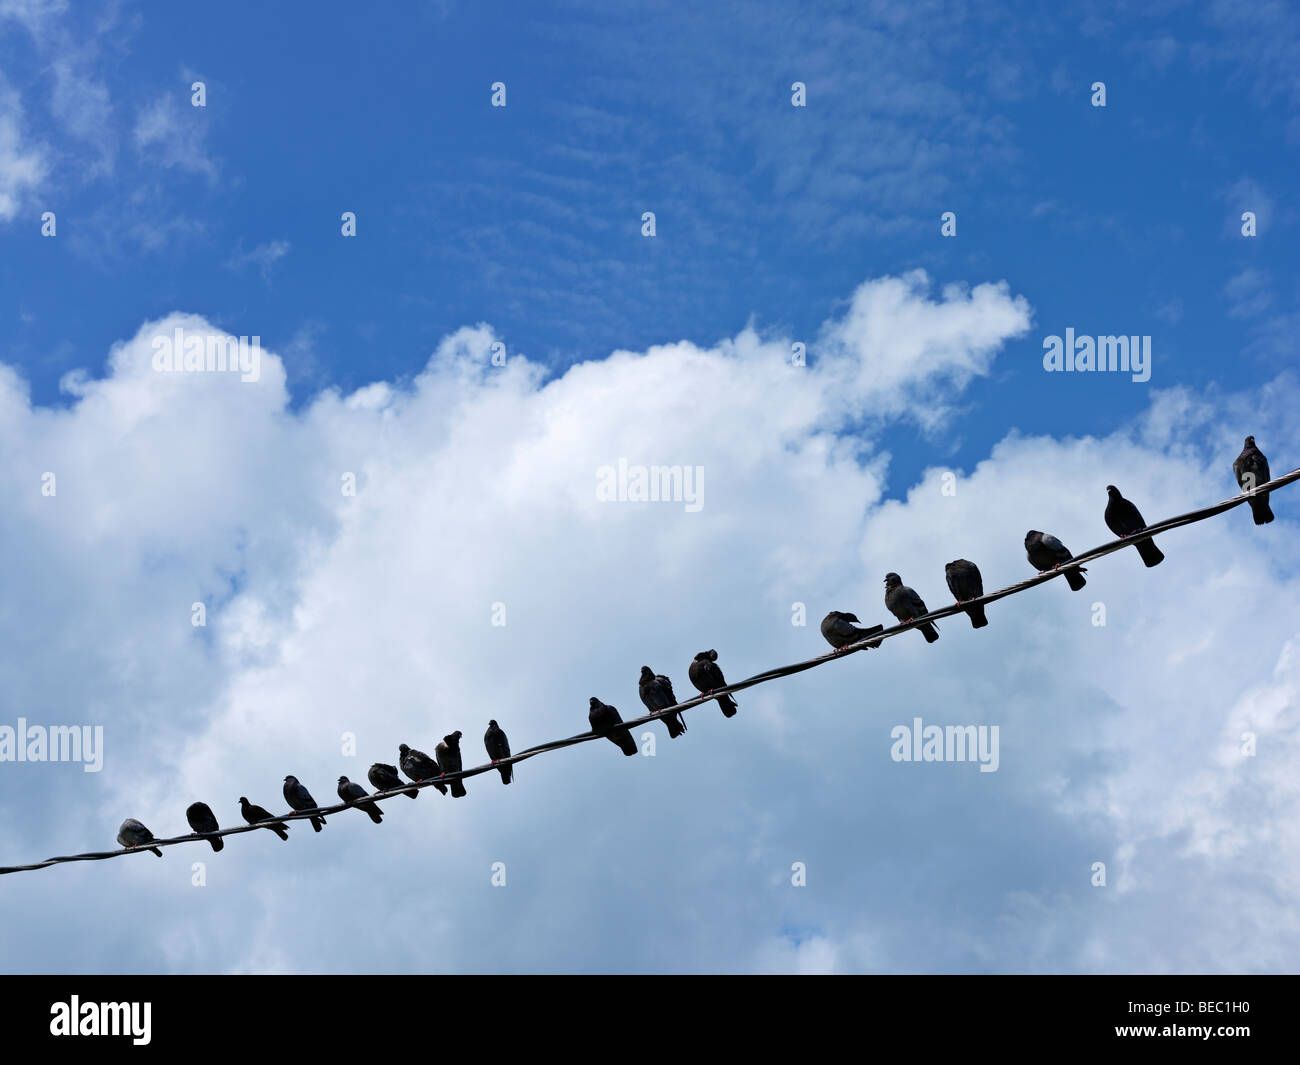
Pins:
x: 1077, y: 562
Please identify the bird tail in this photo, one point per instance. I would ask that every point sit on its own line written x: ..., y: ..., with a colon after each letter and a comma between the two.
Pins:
x: 1075, y: 579
x: 1151, y: 555
x: 1260, y: 508
x: 929, y: 632
x: 217, y: 843
x: 442, y: 788
x: 625, y: 742
x: 458, y: 789
x: 507, y: 772
x: 728, y: 705
x: 156, y: 851
x: 318, y: 823
x: 867, y: 632
x: 281, y: 830
x: 414, y: 793
x: 676, y: 726
x: 375, y: 815
x: 977, y: 618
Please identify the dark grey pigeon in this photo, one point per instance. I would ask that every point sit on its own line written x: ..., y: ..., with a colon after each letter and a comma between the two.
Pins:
x: 383, y: 777
x: 134, y: 834
x: 349, y: 792
x: 707, y: 677
x: 419, y: 766
x: 841, y: 629
x: 1251, y: 470
x: 498, y: 747
x: 965, y: 582
x: 299, y: 798
x: 657, y: 694
x: 1124, y: 519
x: 906, y: 605
x: 448, y: 755
x: 255, y: 815
x: 606, y: 720
x: 1046, y: 552
x: 202, y: 819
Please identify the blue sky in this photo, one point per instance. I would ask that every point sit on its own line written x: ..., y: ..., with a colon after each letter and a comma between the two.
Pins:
x: 528, y: 217
x: 368, y: 615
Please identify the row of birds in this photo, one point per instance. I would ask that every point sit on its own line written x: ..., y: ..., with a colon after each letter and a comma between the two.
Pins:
x: 656, y: 692
x: 1045, y: 552
x: 840, y: 629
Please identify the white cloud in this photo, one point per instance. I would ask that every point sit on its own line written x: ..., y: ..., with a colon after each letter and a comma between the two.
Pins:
x: 901, y: 352
x: 1248, y: 293
x: 370, y: 615
x: 171, y: 134
x: 23, y: 166
x: 263, y: 256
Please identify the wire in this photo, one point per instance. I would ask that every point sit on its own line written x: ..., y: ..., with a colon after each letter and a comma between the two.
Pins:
x: 1076, y: 562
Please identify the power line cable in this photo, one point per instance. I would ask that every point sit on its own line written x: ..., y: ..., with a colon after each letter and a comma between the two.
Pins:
x: 873, y: 639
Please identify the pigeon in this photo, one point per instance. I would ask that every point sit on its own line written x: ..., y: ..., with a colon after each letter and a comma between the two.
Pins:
x: 706, y: 676
x: 839, y: 630
x: 134, y: 834
x: 605, y: 720
x: 1124, y: 519
x: 1251, y: 469
x: 906, y: 605
x: 300, y: 798
x: 349, y: 792
x: 965, y: 582
x: 202, y: 819
x: 1046, y: 552
x: 498, y: 747
x: 657, y: 694
x: 419, y: 766
x: 448, y: 755
x: 255, y: 815
x: 383, y: 777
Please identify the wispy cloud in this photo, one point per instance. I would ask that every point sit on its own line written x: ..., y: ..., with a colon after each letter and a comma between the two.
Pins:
x: 264, y: 257
x: 170, y: 133
x: 1248, y: 293
x: 23, y: 165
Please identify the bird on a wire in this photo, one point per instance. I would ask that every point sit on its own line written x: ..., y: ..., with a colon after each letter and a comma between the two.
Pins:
x: 419, y: 766
x: 1251, y: 470
x: 350, y: 792
x: 606, y: 721
x: 383, y: 777
x: 965, y: 582
x: 707, y: 676
x: 203, y: 820
x: 1124, y: 519
x: 841, y: 629
x: 906, y: 605
x: 657, y: 694
x: 448, y: 755
x: 299, y: 798
x: 255, y: 815
x: 134, y: 834
x: 1046, y: 552
x: 498, y: 747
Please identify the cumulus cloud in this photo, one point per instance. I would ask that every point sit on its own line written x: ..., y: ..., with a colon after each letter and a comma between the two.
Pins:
x: 369, y: 616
